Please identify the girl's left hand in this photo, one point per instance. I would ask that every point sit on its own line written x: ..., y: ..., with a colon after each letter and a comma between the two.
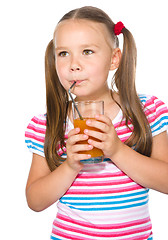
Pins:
x: 109, y: 140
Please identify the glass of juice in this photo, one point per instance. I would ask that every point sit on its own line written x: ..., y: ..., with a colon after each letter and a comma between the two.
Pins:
x: 88, y: 110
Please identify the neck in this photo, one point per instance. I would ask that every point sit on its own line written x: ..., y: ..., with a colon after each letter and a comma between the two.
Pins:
x: 111, y: 109
x: 106, y: 97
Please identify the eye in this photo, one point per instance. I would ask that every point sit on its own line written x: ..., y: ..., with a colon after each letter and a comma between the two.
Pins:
x: 87, y: 52
x: 63, y: 54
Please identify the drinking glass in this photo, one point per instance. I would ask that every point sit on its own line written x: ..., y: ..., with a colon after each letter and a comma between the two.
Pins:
x: 88, y: 110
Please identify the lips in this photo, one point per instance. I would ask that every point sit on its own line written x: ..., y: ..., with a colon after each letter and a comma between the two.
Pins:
x: 77, y: 82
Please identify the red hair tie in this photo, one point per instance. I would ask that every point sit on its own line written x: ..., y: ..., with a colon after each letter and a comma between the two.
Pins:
x: 118, y: 28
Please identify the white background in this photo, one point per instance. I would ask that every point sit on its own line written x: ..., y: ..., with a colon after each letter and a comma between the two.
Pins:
x: 26, y: 27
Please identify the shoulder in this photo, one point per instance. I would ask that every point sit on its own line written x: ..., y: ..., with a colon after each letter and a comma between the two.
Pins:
x: 35, y: 134
x: 37, y: 125
x: 150, y: 100
x: 39, y: 119
x: 156, y: 112
x: 152, y: 104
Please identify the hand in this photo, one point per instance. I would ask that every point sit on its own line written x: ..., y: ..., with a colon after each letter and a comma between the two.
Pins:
x: 73, y: 147
x: 109, y: 140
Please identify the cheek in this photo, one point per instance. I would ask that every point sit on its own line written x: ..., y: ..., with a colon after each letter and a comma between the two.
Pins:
x: 99, y: 70
x: 61, y: 74
x: 60, y: 69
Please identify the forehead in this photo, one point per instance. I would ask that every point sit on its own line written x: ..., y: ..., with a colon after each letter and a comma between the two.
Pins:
x: 82, y: 30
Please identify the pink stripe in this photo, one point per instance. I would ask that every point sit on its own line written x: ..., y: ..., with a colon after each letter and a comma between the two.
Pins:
x: 148, y: 112
x: 123, y: 139
x: 103, y: 226
x: 161, y: 111
x: 150, y: 101
x: 102, y: 175
x: 101, y: 183
x: 35, y: 137
x: 36, y: 129
x: 154, y: 104
x: 158, y: 114
x: 125, y: 131
x: 100, y: 234
x: 145, y: 236
x: 152, y: 111
x: 159, y: 103
x: 105, y: 191
x: 121, y: 124
x: 60, y: 152
x: 39, y: 121
x: 68, y: 236
x: 151, y: 119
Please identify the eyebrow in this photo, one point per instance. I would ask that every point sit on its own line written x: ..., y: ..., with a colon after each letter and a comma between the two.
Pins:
x: 82, y: 46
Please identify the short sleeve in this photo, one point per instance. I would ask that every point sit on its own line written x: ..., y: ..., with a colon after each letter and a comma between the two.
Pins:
x: 35, y: 134
x: 157, y: 115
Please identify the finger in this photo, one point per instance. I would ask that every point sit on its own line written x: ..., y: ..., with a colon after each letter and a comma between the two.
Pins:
x: 79, y: 157
x: 98, y: 135
x: 103, y: 118
x: 81, y: 147
x: 76, y: 138
x: 96, y: 144
x: 73, y: 132
x: 103, y: 127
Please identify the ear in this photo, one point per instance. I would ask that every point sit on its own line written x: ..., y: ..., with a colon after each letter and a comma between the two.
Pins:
x: 115, y: 59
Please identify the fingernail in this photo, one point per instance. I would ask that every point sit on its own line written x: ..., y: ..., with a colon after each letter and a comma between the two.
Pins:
x: 86, y: 131
x: 90, y: 141
x: 88, y: 122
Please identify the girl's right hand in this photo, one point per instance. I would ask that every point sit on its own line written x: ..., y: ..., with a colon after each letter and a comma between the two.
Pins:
x: 73, y: 147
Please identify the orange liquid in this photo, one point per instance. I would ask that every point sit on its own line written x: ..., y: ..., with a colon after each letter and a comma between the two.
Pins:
x: 95, y: 152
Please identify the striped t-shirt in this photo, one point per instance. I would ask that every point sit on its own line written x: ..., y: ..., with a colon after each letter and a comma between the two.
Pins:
x: 103, y: 202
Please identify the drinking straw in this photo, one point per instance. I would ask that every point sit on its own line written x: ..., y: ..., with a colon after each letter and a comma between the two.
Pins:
x: 69, y: 91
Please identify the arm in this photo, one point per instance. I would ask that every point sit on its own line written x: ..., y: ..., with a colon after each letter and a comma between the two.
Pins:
x: 150, y: 172
x: 45, y: 187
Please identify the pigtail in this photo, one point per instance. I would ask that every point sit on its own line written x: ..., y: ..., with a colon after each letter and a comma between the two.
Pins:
x: 56, y: 103
x: 124, y: 79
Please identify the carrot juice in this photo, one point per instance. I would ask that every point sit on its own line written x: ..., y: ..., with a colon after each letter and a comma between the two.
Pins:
x: 95, y: 152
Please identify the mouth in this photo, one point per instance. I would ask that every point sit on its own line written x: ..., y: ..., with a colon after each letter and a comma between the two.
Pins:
x: 78, y: 82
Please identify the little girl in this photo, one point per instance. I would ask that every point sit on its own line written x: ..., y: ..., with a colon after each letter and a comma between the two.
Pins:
x: 107, y: 200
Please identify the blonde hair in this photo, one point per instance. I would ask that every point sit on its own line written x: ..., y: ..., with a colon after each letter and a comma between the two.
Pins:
x: 124, y: 80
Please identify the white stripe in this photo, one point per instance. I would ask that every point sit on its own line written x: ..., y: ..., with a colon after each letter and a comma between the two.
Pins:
x: 101, y: 179
x: 32, y: 131
x: 107, y: 194
x: 124, y: 185
x: 108, y: 217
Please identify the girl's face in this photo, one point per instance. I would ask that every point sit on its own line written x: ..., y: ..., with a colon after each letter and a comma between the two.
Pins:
x: 83, y: 51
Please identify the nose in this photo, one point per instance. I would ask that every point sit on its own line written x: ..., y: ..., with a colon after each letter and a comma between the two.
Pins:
x: 75, y: 65
x: 75, y: 68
